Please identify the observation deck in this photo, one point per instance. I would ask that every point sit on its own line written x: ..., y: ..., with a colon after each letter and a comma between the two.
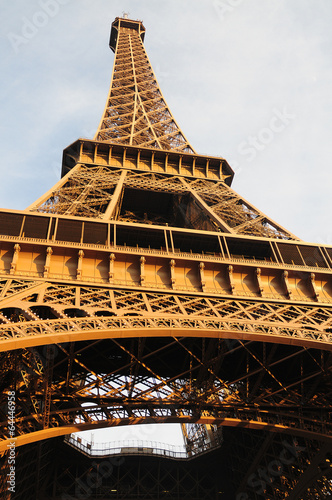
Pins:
x: 146, y: 448
x: 123, y: 22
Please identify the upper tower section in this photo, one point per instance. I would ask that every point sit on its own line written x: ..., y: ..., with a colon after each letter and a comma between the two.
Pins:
x: 136, y: 112
x: 125, y: 24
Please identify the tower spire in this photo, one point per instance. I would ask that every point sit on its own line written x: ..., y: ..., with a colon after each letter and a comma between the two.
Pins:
x: 136, y: 112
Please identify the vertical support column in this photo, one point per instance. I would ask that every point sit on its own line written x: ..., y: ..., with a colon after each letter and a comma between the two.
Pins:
x: 55, y: 229
x: 21, y: 234
x: 142, y: 270
x: 201, y: 268
x: 284, y: 278
x: 47, y: 264
x: 49, y: 228
x: 172, y: 270
x: 109, y: 155
x: 258, y: 273
x: 221, y: 177
x: 166, y: 240
x: 13, y: 264
x: 111, y: 268
x: 77, y: 296
x: 48, y: 375
x: 79, y: 264
x: 110, y: 210
x: 81, y: 150
x: 312, y: 283
x: 230, y: 278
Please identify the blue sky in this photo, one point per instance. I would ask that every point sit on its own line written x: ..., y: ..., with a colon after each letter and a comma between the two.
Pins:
x: 229, y: 69
x: 249, y: 80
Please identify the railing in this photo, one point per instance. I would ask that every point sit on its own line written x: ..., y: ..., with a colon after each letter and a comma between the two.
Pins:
x: 136, y: 447
x: 205, y: 256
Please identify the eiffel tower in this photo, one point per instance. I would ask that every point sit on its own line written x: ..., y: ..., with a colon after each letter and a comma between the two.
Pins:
x: 142, y: 289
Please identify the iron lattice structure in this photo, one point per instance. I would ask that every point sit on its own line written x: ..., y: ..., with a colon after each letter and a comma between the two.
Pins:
x: 142, y: 288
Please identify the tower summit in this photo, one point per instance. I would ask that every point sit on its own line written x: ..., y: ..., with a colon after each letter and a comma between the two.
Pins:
x: 141, y: 288
x: 122, y: 24
x: 136, y: 112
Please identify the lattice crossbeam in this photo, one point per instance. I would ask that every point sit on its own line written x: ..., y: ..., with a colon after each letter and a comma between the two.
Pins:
x: 109, y: 311
x: 89, y: 191
x: 136, y: 112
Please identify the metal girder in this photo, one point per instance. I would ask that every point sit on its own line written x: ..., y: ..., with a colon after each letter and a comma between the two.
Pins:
x: 89, y: 191
x: 31, y: 319
x: 136, y: 111
x: 141, y: 379
x: 279, y: 467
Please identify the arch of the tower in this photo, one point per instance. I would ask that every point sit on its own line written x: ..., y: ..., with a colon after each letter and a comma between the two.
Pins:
x: 55, y: 432
x: 101, y: 314
x: 139, y: 372
x: 132, y: 325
